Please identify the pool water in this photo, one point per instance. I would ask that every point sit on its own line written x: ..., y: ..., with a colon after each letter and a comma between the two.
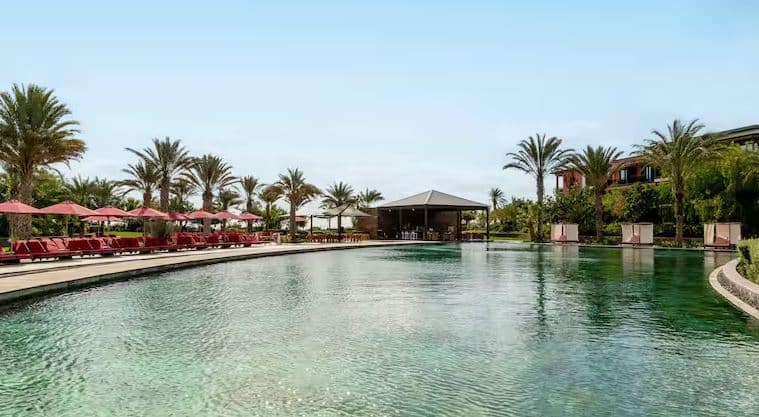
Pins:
x: 448, y: 330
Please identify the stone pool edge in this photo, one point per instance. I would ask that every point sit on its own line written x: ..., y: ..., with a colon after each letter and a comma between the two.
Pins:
x: 739, y: 291
x: 90, y: 275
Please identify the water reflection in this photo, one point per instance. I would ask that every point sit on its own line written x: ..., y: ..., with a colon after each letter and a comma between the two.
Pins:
x: 639, y: 261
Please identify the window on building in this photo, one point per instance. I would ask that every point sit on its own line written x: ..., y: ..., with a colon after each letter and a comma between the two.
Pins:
x: 648, y: 172
x: 623, y: 176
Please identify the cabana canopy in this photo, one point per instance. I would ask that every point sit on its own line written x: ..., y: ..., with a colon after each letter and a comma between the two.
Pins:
x: 434, y: 199
x: 436, y: 214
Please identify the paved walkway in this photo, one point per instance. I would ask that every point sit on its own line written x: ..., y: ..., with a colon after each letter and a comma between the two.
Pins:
x: 32, y: 279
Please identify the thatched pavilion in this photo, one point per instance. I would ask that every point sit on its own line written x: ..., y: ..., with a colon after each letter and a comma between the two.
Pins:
x: 430, y: 215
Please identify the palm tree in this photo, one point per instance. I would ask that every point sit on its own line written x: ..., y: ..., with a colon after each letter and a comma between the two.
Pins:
x: 144, y: 179
x: 269, y: 195
x: 210, y: 173
x: 538, y: 156
x: 297, y: 192
x: 130, y: 203
x: 368, y: 198
x: 338, y: 194
x: 496, y: 196
x: 597, y: 166
x: 181, y: 190
x: 678, y: 153
x: 105, y: 193
x: 170, y: 159
x: 79, y: 190
x: 250, y: 186
x: 35, y: 132
x: 226, y: 199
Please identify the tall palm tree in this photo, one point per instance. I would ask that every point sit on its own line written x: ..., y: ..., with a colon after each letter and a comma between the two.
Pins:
x: 597, y: 166
x: 269, y: 195
x: 210, y: 173
x: 181, y: 190
x: 678, y: 152
x: 80, y: 190
x: 35, y: 132
x: 297, y: 192
x: 337, y: 195
x: 539, y: 156
x: 170, y: 159
x: 105, y: 193
x: 250, y: 186
x: 143, y: 179
x: 496, y: 196
x: 226, y: 199
x: 368, y: 198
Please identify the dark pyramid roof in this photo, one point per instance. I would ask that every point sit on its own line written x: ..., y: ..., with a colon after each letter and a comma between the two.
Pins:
x: 434, y: 198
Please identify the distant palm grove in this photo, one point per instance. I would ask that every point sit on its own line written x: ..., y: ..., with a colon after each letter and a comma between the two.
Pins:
x: 37, y: 132
x: 704, y: 178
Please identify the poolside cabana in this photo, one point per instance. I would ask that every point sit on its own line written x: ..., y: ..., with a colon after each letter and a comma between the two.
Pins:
x: 565, y: 233
x: 721, y: 235
x: 431, y: 215
x: 638, y: 234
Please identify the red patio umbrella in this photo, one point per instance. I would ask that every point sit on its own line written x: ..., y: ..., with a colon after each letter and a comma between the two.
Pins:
x: 98, y: 219
x: 17, y: 207
x: 148, y: 213
x: 200, y: 215
x: 68, y: 208
x: 249, y: 216
x: 178, y: 217
x: 114, y: 212
x: 225, y: 215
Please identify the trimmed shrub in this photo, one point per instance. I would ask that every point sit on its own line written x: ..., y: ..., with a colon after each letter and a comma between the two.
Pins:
x: 748, y: 264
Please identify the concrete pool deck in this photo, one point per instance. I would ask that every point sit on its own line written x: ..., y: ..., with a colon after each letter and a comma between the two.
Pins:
x: 37, y: 278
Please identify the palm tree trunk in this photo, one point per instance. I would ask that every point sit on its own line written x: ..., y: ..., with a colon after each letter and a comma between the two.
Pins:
x: 207, y: 202
x: 679, y: 214
x: 599, y: 208
x: 165, y: 190
x: 293, y: 226
x: 541, y: 191
x: 21, y: 225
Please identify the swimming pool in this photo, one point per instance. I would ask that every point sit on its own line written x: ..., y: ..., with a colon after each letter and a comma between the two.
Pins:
x: 413, y: 331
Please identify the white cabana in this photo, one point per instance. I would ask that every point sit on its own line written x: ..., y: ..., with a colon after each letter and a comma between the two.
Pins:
x: 637, y: 234
x: 564, y: 233
x: 722, y: 234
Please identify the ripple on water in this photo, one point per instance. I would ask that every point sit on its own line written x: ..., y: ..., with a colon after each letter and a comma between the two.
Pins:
x: 444, y: 331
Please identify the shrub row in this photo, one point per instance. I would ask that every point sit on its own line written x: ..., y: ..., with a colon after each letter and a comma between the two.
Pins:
x: 748, y: 264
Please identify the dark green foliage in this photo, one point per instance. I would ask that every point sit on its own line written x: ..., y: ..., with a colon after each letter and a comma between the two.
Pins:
x: 748, y: 266
x: 573, y: 206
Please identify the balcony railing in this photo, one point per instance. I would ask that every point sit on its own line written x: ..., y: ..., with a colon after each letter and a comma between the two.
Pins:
x: 631, y: 179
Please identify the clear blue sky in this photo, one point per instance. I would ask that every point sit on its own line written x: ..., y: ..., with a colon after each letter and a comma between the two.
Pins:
x: 390, y: 95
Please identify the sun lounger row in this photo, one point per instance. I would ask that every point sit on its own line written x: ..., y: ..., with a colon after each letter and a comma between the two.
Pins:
x: 65, y: 248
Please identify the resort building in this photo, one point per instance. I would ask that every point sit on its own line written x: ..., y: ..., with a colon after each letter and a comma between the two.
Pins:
x: 635, y: 171
x: 431, y: 215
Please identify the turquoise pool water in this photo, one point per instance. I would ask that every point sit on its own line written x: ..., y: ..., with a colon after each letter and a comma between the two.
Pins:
x: 412, y: 331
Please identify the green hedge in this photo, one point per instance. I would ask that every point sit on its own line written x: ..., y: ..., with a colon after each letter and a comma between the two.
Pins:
x: 748, y: 265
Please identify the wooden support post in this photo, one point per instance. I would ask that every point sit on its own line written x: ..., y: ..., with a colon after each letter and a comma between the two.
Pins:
x: 424, y: 234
